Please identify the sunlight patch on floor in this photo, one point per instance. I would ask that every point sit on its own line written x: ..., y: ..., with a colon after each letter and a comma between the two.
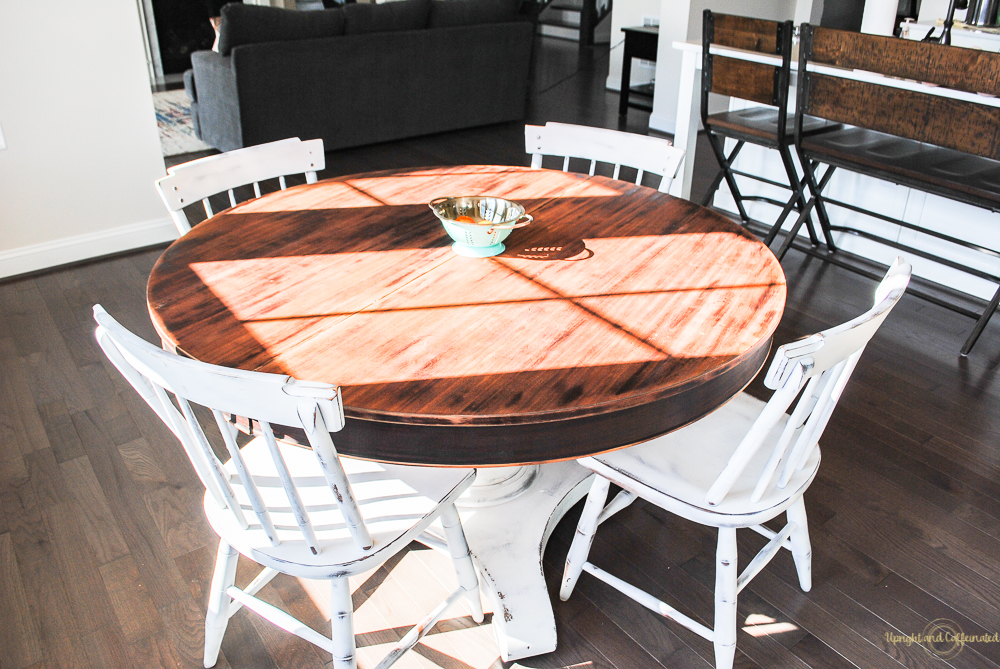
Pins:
x: 758, y: 625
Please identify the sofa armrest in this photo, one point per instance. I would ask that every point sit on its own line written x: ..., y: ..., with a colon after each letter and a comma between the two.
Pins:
x: 218, y: 100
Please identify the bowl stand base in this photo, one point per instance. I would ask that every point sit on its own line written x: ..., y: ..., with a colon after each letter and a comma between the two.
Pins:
x: 477, y: 251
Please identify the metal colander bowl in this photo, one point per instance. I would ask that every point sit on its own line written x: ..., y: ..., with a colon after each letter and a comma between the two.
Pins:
x: 492, y: 219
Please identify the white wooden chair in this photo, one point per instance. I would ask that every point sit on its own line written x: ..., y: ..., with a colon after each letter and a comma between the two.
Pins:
x: 599, y: 145
x: 737, y: 468
x: 188, y: 183
x: 307, y: 513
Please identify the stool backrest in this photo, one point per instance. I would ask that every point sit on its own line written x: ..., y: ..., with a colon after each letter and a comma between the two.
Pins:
x: 818, y: 367
x: 187, y: 183
x: 745, y: 78
x: 599, y: 145
x: 860, y: 80
x: 316, y: 408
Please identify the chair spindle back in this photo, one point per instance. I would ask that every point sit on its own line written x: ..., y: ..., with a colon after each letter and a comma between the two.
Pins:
x: 818, y: 367
x: 188, y: 183
x: 268, y: 398
x: 647, y: 154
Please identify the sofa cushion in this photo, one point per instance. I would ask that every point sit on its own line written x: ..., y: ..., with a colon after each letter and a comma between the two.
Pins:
x: 387, y: 17
x: 249, y: 24
x: 446, y: 13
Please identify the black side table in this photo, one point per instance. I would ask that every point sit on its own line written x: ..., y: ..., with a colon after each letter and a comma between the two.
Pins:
x: 640, y: 42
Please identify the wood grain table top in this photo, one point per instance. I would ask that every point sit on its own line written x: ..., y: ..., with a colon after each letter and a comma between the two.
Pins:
x: 619, y: 314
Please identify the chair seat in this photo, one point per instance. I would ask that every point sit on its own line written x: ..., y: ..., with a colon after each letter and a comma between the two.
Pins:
x: 761, y: 123
x: 675, y: 471
x: 397, y: 503
x: 927, y: 167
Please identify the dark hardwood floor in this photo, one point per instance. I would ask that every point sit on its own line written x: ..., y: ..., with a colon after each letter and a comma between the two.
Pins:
x: 105, y: 556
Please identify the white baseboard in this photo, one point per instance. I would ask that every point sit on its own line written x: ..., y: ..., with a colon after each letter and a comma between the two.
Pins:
x: 82, y: 247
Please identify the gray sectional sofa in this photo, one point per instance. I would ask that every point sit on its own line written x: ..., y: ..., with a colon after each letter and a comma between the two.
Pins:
x: 360, y: 74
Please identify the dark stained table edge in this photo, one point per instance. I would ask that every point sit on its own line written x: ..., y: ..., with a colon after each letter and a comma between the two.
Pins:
x: 543, y: 441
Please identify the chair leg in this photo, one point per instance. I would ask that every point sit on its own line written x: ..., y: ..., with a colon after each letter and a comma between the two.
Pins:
x: 460, y: 555
x: 584, y: 537
x: 801, y: 548
x: 717, y: 181
x: 798, y: 187
x: 217, y: 618
x: 342, y: 624
x: 726, y: 165
x: 816, y: 189
x: 981, y: 324
x: 725, y: 599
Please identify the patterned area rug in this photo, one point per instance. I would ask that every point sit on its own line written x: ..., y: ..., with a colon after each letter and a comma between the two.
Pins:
x: 173, y: 117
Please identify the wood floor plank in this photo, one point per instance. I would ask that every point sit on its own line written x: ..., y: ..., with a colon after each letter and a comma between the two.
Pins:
x: 944, y: 578
x: 818, y: 655
x: 24, y: 520
x: 136, y: 613
x: 65, y: 442
x: 114, y: 414
x: 46, y: 479
x: 143, y: 539
x: 59, y: 630
x: 20, y: 424
x: 180, y: 518
x: 53, y: 376
x: 19, y: 640
x: 924, y: 523
x: 86, y: 596
x: 106, y: 647
x: 99, y: 525
x: 156, y: 650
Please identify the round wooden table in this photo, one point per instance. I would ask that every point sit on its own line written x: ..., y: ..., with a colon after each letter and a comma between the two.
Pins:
x: 619, y: 314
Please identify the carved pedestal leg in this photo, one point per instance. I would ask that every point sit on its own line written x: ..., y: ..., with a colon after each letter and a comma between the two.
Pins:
x: 507, y: 540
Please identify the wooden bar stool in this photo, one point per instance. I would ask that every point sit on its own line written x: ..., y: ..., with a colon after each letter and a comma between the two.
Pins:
x: 767, y: 126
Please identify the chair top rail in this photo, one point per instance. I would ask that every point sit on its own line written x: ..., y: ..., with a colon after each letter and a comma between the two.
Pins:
x: 830, y: 355
x: 650, y: 154
x: 960, y: 69
x: 270, y: 397
x: 825, y: 349
x: 315, y: 407
x: 743, y: 32
x: 190, y: 182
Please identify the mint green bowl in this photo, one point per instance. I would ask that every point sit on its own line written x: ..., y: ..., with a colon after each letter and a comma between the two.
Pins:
x: 493, y: 219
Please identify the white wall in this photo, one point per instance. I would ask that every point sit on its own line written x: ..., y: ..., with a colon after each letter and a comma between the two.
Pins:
x: 76, y: 180
x: 932, y: 10
x: 680, y: 20
x: 625, y: 14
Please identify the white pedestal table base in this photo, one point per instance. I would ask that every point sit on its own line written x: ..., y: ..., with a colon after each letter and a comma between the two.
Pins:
x: 507, y: 540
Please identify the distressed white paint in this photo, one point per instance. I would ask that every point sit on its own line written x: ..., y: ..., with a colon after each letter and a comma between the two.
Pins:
x: 195, y: 181
x: 306, y: 513
x: 741, y: 466
x: 509, y: 556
